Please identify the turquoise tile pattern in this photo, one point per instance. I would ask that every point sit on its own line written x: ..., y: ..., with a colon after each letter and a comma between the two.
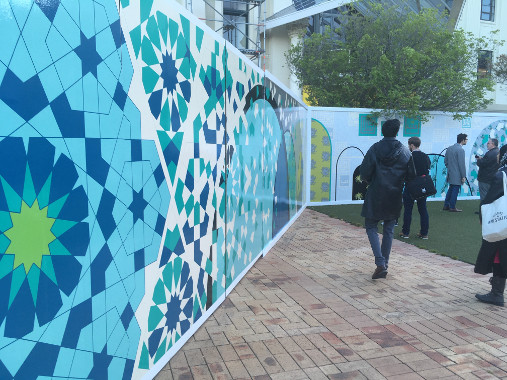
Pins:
x: 131, y: 137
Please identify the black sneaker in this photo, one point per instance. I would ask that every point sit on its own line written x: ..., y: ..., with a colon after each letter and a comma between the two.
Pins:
x: 380, y: 272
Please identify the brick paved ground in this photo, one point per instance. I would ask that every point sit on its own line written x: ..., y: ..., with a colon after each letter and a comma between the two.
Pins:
x: 309, y: 310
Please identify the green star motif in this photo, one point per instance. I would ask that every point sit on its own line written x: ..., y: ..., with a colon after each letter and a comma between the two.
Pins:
x: 30, y: 236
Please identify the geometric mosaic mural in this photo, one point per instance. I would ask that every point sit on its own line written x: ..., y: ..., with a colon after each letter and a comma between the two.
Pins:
x: 144, y: 164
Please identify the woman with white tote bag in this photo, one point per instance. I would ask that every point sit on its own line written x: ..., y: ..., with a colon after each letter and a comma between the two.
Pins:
x: 492, y: 257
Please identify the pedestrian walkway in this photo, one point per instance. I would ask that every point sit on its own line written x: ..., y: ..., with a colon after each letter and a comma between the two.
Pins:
x: 309, y: 310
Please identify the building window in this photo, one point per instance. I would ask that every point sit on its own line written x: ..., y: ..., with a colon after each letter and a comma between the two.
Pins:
x: 488, y: 10
x: 485, y: 58
x: 235, y: 29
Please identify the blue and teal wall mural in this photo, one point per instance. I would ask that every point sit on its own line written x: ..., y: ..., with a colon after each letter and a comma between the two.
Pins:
x: 145, y: 164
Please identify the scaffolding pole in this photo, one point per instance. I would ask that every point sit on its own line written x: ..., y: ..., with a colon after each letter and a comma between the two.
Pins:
x: 253, y: 48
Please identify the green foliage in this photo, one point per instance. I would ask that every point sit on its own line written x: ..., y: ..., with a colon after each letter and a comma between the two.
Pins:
x: 396, y: 62
x: 500, y: 69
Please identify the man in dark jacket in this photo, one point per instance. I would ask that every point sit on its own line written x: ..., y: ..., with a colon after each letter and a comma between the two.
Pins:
x: 422, y: 166
x: 488, y: 166
x: 384, y: 168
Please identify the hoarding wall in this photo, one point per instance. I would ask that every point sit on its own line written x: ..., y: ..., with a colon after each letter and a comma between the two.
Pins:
x: 145, y: 165
x: 341, y: 137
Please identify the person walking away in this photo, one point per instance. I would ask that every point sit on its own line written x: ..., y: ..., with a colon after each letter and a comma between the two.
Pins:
x: 384, y: 169
x: 456, y: 172
x: 422, y: 165
x: 488, y: 166
x: 492, y: 257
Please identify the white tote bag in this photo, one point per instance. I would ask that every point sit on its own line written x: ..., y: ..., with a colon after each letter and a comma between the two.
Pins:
x: 494, y: 217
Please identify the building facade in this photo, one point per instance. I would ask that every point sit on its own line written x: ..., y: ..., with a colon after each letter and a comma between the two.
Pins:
x: 265, y: 29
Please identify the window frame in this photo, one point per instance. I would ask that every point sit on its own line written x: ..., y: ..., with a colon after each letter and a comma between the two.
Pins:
x: 238, y: 13
x: 484, y: 72
x: 489, y: 14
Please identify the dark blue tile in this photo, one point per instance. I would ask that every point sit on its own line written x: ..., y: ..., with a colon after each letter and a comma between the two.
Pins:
x: 96, y: 166
x: 120, y: 96
x: 119, y: 38
x: 80, y: 317
x: 27, y: 99
x: 87, y: 51
x: 139, y: 261
x: 98, y: 270
x: 40, y: 362
x: 49, y: 300
x: 70, y: 122
x: 105, y: 213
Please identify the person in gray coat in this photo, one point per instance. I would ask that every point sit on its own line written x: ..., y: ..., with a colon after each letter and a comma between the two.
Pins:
x: 384, y: 169
x: 456, y: 172
x: 488, y: 166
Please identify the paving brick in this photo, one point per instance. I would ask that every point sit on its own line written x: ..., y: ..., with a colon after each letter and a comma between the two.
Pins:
x: 243, y: 350
x: 317, y: 357
x: 164, y: 375
x: 237, y: 369
x: 286, y: 362
x: 211, y: 355
x: 254, y: 367
x: 227, y: 352
x: 424, y: 364
x: 289, y: 344
x: 291, y: 375
x: 182, y: 374
x: 393, y: 369
x: 353, y: 375
x: 302, y: 360
x: 330, y: 369
x: 201, y: 372
x: 334, y: 355
x: 179, y: 361
x: 303, y: 342
x: 435, y: 373
x: 407, y: 376
x: 383, y: 361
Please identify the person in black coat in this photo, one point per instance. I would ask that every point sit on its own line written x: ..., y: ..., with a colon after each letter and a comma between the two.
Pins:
x: 384, y: 169
x: 492, y: 257
x: 488, y: 166
x: 422, y: 166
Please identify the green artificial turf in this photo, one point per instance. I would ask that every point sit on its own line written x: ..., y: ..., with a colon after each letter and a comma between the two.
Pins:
x: 457, y: 235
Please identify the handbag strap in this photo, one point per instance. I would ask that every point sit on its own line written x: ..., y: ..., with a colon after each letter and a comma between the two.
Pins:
x: 415, y: 170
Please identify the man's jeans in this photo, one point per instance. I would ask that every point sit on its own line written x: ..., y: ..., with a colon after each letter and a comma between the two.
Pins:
x: 408, y: 205
x: 483, y: 189
x: 381, y: 252
x: 452, y: 196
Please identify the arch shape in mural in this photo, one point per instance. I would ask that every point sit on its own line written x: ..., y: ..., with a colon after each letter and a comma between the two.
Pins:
x: 357, y: 185
x: 321, y: 153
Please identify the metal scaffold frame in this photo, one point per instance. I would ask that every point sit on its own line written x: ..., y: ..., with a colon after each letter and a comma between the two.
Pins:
x: 254, y: 48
